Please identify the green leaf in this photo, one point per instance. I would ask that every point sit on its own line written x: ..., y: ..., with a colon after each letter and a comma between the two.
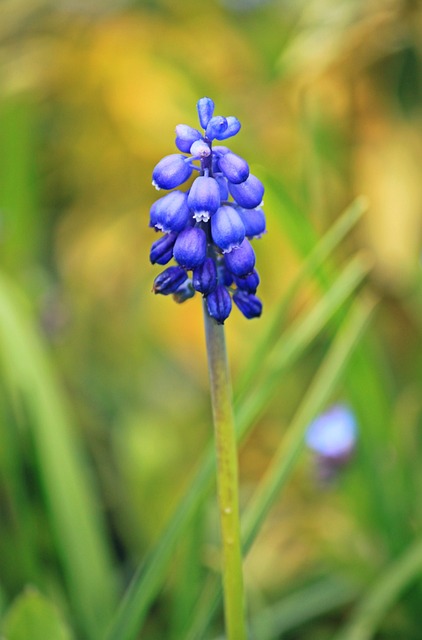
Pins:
x: 70, y: 493
x: 34, y: 617
x: 313, y: 263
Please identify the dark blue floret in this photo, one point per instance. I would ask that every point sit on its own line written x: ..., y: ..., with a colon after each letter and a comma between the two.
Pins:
x: 169, y: 280
x: 162, y: 250
x: 219, y: 304
x: 241, y: 261
x: 190, y: 248
x: 206, y: 226
x: 204, y: 277
x: 249, y: 304
x: 248, y: 283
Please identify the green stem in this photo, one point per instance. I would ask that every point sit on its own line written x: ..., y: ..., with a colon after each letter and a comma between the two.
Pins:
x: 227, y: 479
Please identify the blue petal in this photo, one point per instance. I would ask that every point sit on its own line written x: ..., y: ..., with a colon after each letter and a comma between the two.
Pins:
x: 219, y: 304
x: 233, y: 127
x: 200, y: 149
x: 190, y: 248
x: 204, y: 198
x: 249, y: 193
x: 162, y: 250
x: 254, y: 221
x: 241, y: 261
x: 205, y: 107
x: 248, y: 283
x: 249, y: 305
x: 169, y: 280
x: 170, y: 213
x: 227, y: 229
x: 215, y: 127
x: 234, y: 167
x: 171, y: 172
x: 185, y: 137
x: 204, y: 277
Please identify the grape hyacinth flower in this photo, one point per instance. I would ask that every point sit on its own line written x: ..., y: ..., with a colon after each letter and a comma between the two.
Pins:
x: 209, y: 226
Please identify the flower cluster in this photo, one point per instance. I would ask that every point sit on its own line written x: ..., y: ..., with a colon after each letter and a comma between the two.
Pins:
x: 207, y: 229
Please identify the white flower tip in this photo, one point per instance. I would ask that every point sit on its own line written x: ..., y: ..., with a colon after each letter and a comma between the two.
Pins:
x: 201, y: 216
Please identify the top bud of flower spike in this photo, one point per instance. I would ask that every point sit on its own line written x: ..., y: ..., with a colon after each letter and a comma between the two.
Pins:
x: 207, y: 225
x: 205, y: 109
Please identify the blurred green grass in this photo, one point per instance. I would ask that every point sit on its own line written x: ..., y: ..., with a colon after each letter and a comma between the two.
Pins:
x: 93, y: 462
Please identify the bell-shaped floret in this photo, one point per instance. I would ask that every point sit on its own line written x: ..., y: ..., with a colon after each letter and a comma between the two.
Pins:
x: 249, y: 305
x: 248, y: 194
x: 233, y: 127
x: 170, y: 213
x: 162, y: 250
x: 227, y: 229
x: 190, y: 248
x: 185, y: 137
x: 171, y: 171
x: 241, y: 261
x: 204, y: 277
x: 215, y: 127
x: 200, y: 149
x: 219, y: 304
x: 204, y: 198
x: 205, y: 107
x: 169, y: 280
x: 234, y: 167
x: 254, y: 221
x: 248, y: 283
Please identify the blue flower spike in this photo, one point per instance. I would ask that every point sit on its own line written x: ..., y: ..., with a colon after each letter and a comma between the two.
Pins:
x: 208, y: 226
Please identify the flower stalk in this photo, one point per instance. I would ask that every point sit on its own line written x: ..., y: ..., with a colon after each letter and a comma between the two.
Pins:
x: 227, y: 478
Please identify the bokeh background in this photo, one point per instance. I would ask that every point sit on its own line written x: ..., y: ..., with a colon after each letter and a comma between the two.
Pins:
x: 329, y: 93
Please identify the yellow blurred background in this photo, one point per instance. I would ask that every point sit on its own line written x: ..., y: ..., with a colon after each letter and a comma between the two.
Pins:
x: 329, y: 96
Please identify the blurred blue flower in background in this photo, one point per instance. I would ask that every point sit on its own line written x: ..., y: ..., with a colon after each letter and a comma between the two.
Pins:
x: 332, y: 436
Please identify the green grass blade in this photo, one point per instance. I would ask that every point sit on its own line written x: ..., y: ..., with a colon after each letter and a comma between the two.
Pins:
x: 149, y: 578
x: 316, y: 398
x: 298, y: 608
x: 70, y: 495
x: 328, y: 243
x: 289, y: 347
x: 376, y: 603
x: 295, y: 337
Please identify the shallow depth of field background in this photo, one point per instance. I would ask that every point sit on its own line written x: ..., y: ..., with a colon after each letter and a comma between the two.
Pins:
x: 329, y: 94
